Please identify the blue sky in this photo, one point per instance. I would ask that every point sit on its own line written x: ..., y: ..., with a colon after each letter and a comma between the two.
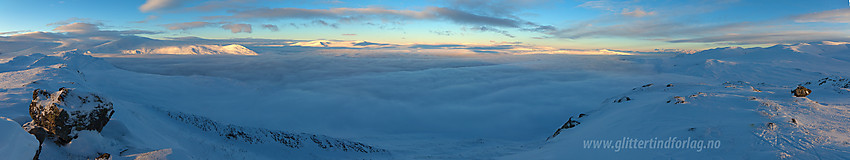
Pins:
x: 574, y: 24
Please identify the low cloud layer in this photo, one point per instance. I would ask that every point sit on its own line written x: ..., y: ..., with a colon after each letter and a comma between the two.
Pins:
x: 475, y: 97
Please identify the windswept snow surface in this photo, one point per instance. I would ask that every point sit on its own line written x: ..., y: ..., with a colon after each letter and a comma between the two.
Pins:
x: 15, y: 143
x: 485, y: 106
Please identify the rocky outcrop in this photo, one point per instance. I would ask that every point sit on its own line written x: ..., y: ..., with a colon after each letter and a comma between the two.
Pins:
x: 677, y: 100
x: 838, y: 84
x: 252, y: 135
x: 63, y: 113
x: 801, y: 91
x: 623, y: 99
x: 104, y: 156
x: 567, y: 125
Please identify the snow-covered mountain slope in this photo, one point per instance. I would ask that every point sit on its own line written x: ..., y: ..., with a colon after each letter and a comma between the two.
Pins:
x: 140, y: 130
x: 743, y: 100
x: 750, y: 121
x: 233, y: 49
x: 407, y: 106
x: 16, y: 143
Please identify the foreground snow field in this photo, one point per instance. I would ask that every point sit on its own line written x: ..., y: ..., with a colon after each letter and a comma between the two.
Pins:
x: 410, y: 106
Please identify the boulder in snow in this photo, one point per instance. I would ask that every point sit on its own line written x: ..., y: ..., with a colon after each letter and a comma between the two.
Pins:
x: 801, y: 91
x: 65, y: 112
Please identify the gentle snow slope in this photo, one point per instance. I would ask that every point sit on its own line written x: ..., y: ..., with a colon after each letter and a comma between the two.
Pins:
x: 15, y: 143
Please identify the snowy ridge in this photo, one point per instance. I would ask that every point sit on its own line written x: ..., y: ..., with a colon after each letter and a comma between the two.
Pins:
x: 265, y: 136
x: 233, y: 49
x: 768, y: 122
x: 128, y: 134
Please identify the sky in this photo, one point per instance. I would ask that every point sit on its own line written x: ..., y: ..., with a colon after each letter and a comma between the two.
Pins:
x: 640, y: 25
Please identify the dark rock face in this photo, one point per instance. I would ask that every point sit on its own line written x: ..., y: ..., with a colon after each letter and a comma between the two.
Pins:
x: 61, y: 114
x: 677, y: 100
x: 567, y: 125
x: 252, y: 135
x: 105, y: 156
x: 801, y: 91
x: 838, y: 84
x: 623, y: 99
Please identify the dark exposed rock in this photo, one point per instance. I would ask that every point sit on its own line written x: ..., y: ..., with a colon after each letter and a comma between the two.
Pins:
x: 567, y: 125
x: 833, y: 81
x: 65, y: 112
x: 40, y: 134
x: 677, y: 100
x: 643, y: 87
x: 801, y: 91
x: 623, y: 99
x: 838, y: 84
x: 104, y: 156
x: 252, y: 135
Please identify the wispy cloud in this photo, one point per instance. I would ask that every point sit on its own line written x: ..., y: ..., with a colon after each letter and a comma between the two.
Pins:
x: 148, y: 19
x: 442, y: 33
x: 271, y: 27
x: 78, y: 35
x: 462, y: 17
x: 359, y: 14
x: 215, y: 5
x: 13, y: 32
x: 496, y: 7
x: 772, y: 37
x: 188, y: 25
x: 637, y: 12
x: 153, y: 5
x: 831, y: 16
x: 323, y: 23
x: 88, y: 29
x: 628, y: 19
x: 238, y: 28
x: 491, y: 29
x: 599, y: 4
x: 72, y: 20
